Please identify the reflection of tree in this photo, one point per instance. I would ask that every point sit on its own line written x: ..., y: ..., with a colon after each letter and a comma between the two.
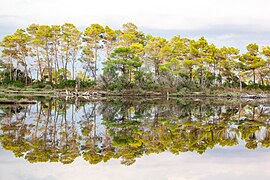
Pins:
x: 126, y: 130
x: 46, y: 138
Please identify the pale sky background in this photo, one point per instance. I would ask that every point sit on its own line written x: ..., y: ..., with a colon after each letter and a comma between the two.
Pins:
x: 223, y: 22
x: 233, y: 163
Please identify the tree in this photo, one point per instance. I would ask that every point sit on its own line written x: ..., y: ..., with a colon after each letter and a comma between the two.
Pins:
x: 71, y: 40
x: 56, y: 38
x: 152, y: 52
x: 93, y: 36
x: 109, y: 39
x: 266, y: 69
x: 22, y: 39
x: 171, y: 71
x: 8, y: 44
x: 35, y: 45
x: 227, y: 63
x: 124, y: 63
x: 130, y: 35
x: 179, y: 47
x: 199, y: 50
x: 44, y: 35
x: 252, y: 60
x: 189, y: 63
x: 75, y: 48
x: 87, y: 58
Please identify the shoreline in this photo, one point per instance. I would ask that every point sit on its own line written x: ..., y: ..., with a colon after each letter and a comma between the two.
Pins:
x: 136, y: 93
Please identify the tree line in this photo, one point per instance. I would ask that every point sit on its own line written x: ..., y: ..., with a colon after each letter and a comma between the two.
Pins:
x: 127, y: 58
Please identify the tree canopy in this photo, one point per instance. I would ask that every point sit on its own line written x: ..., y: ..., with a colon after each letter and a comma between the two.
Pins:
x: 106, y: 55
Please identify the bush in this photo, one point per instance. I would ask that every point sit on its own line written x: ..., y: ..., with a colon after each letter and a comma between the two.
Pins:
x: 39, y: 85
x: 66, y: 83
x: 19, y: 84
x: 88, y: 83
x: 6, y: 81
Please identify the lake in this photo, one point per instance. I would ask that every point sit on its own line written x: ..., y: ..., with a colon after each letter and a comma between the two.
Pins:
x: 135, y: 138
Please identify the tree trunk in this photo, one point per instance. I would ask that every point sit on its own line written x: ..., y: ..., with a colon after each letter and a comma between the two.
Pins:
x: 84, y: 75
x: 48, y: 62
x: 10, y: 68
x: 95, y: 70
x: 254, y: 78
x: 262, y: 81
x: 66, y: 63
x: 26, y: 74
x: 73, y: 69
x: 129, y: 75
x: 201, y: 74
x: 25, y: 70
x: 39, y: 63
x: 215, y: 74
x: 240, y: 80
x: 190, y: 74
x: 156, y: 68
x: 56, y: 64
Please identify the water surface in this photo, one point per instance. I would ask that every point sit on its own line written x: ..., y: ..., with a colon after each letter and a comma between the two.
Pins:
x: 135, y: 139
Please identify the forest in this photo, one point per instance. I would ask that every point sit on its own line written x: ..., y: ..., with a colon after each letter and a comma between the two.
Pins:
x: 62, y: 56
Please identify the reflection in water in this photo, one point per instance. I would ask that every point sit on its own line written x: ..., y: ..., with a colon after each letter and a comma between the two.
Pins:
x: 55, y: 130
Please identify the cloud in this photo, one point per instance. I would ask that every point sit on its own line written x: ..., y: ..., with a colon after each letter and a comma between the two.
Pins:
x: 221, y: 35
x: 169, y: 14
x: 218, y: 163
x: 226, y: 22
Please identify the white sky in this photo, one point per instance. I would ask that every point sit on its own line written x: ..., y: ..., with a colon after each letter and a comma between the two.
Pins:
x: 219, y: 20
x: 166, y: 14
x: 218, y: 163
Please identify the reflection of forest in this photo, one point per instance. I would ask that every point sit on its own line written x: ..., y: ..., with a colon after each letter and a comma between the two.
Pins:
x: 60, y: 131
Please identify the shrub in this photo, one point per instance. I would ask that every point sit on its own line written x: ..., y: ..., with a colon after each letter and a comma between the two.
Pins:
x: 88, y: 83
x: 39, y: 85
x: 18, y: 84
x: 66, y: 83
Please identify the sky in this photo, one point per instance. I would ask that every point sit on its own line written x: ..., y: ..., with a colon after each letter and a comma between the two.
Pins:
x: 223, y: 22
x: 218, y: 163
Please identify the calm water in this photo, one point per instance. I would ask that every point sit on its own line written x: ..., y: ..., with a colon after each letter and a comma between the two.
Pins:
x: 135, y: 139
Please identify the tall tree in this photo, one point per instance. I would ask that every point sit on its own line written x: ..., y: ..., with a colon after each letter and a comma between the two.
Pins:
x: 266, y: 69
x: 35, y: 45
x: 75, y: 48
x: 252, y: 60
x: 93, y: 36
x: 152, y: 52
x: 130, y: 35
x: 44, y: 35
x: 56, y: 39
x: 109, y: 39
x: 22, y: 39
x: 227, y: 63
x: 125, y: 62
x: 9, y: 52
x: 87, y: 59
x: 70, y: 46
x: 179, y: 47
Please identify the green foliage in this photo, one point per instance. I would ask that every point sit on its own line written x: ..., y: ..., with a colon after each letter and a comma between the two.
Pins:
x: 66, y: 83
x: 131, y: 59
x: 15, y: 83
x: 39, y: 85
x: 18, y: 84
x: 88, y: 83
x: 122, y: 66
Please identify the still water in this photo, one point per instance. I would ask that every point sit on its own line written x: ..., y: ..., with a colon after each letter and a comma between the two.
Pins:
x: 135, y: 139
